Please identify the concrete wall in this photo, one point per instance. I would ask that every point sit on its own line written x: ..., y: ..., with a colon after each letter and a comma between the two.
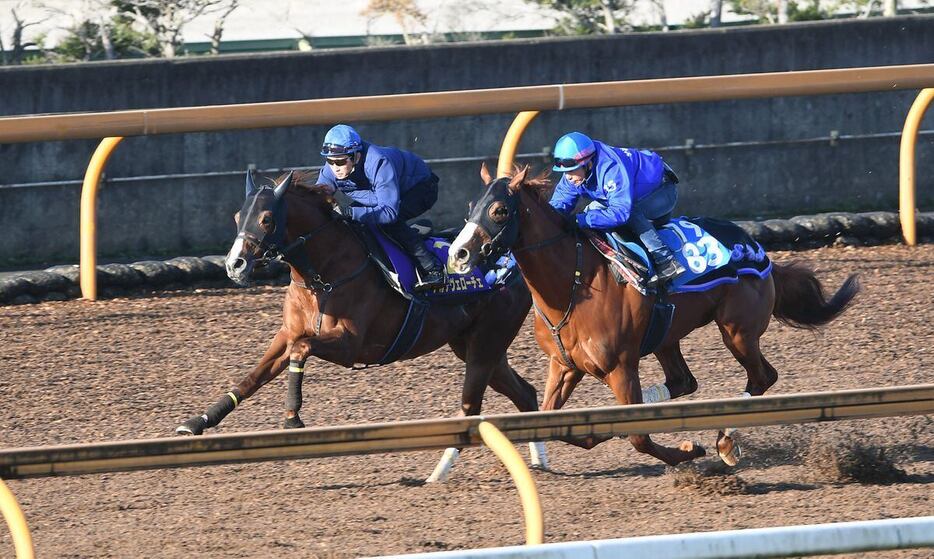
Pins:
x: 192, y: 216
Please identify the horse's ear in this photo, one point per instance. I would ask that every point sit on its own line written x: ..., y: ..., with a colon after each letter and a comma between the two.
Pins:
x: 485, y: 174
x: 283, y: 186
x: 237, y: 218
x: 250, y: 185
x: 518, y: 178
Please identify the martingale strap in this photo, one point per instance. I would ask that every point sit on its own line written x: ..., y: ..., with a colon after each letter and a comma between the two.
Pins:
x: 556, y: 328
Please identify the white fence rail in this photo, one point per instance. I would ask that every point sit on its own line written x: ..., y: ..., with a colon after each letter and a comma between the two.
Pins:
x: 785, y: 541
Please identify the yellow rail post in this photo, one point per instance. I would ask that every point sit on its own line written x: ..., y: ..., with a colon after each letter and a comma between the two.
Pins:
x: 507, y: 153
x: 88, y: 224
x: 22, y: 540
x: 528, y: 493
x: 906, y: 165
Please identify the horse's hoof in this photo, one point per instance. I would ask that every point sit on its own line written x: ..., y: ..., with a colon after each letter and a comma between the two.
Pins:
x: 194, y: 426
x: 692, y: 447
x: 728, y: 448
x: 293, y: 423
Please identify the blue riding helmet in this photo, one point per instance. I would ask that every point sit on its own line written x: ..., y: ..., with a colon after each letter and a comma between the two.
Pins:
x: 572, y: 151
x: 341, y: 140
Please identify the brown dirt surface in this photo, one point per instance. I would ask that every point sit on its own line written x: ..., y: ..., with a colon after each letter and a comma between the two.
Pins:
x: 129, y: 368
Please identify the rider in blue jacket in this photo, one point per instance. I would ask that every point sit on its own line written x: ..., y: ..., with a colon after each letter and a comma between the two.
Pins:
x: 628, y: 187
x: 383, y: 186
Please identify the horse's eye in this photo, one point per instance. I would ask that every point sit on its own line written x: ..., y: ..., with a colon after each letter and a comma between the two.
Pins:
x: 498, y: 212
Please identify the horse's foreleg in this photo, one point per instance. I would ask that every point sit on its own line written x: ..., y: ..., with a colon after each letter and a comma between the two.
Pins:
x: 298, y: 355
x: 272, y: 363
x: 624, y: 382
x: 559, y: 386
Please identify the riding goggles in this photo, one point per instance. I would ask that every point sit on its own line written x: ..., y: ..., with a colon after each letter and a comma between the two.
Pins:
x: 337, y: 149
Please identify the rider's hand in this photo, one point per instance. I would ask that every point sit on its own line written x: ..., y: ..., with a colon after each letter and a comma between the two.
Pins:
x: 342, y: 204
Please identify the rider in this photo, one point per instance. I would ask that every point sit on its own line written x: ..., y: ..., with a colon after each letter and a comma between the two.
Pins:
x: 384, y: 186
x: 628, y: 187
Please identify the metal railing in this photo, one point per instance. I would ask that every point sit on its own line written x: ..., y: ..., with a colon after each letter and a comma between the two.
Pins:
x: 175, y: 452
x: 113, y: 126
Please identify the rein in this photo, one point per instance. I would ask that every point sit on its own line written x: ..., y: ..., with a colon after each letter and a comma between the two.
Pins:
x: 306, y: 270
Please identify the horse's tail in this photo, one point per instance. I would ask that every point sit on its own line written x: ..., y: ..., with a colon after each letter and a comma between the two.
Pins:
x: 800, y: 300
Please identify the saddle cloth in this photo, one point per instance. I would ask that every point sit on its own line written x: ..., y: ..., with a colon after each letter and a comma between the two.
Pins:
x: 712, y: 251
x: 399, y: 269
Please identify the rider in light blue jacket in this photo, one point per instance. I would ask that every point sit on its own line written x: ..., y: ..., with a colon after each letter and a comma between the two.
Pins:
x: 628, y: 188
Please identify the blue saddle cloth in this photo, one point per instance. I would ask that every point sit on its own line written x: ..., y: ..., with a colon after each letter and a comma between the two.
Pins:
x: 400, y: 270
x: 712, y: 251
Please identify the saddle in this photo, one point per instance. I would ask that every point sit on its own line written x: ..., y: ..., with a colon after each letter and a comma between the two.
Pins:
x: 700, y: 244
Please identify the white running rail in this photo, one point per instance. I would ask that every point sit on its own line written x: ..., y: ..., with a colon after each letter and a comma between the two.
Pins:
x: 785, y: 541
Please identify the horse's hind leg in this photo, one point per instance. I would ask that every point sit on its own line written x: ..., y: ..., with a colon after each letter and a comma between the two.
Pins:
x: 678, y: 378
x: 742, y: 320
x: 272, y: 363
x: 507, y: 382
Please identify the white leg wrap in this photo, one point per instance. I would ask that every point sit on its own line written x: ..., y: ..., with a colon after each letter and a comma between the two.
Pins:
x: 443, y: 469
x: 537, y: 455
x: 655, y: 393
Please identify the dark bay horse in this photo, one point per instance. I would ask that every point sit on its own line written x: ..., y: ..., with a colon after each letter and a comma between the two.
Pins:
x: 339, y: 308
x: 601, y: 324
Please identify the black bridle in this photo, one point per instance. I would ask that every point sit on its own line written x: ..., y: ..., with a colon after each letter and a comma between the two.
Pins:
x: 505, y: 236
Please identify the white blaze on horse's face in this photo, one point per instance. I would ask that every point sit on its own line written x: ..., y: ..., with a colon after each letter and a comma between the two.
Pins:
x: 459, y: 255
x: 236, y: 266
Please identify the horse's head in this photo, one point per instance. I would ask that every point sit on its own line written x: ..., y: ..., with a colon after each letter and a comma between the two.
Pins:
x: 492, y: 222
x: 260, y: 228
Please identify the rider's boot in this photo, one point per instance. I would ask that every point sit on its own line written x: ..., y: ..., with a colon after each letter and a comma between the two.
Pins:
x: 429, y: 272
x: 667, y: 268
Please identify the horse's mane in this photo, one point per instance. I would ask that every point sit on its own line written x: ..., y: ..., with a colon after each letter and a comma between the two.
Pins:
x: 540, y: 185
x: 305, y: 184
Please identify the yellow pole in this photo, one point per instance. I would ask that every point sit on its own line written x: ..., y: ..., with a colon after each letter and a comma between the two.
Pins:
x: 906, y: 165
x: 507, y: 153
x: 22, y: 540
x: 88, y: 226
x: 528, y: 493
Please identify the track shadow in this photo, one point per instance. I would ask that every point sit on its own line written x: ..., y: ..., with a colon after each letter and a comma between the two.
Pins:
x: 763, y: 488
x: 625, y: 471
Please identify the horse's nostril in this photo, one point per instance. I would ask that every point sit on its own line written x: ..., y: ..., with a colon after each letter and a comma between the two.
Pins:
x: 461, y: 254
x: 239, y: 264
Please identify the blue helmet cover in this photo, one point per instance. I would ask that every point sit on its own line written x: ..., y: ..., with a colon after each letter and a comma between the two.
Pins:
x: 341, y: 140
x: 574, y: 146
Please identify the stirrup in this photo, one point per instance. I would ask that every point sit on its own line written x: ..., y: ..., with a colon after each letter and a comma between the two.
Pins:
x: 424, y: 284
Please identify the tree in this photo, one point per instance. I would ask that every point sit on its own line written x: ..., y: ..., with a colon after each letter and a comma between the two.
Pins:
x: 659, y: 6
x: 219, y: 23
x: 406, y: 13
x: 16, y: 52
x: 587, y: 17
x: 165, y: 19
x: 716, y: 10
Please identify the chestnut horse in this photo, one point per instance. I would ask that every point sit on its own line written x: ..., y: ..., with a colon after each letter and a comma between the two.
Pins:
x: 601, y: 324
x: 339, y: 308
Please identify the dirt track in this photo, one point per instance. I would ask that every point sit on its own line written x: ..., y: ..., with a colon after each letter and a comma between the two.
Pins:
x: 134, y: 368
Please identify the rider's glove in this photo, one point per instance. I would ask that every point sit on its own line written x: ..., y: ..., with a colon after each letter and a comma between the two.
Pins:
x: 342, y: 204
